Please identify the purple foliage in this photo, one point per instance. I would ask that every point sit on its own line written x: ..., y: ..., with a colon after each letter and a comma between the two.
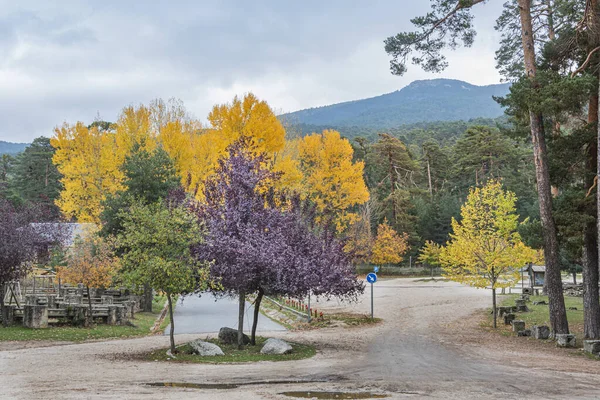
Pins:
x: 20, y: 241
x: 254, y: 245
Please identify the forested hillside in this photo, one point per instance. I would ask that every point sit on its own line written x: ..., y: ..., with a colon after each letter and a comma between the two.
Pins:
x: 444, y: 132
x: 421, y: 101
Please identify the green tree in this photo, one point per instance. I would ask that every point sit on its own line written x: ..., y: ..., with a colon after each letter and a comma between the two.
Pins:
x: 36, y: 178
x: 149, y: 177
x: 157, y: 241
x: 485, y: 249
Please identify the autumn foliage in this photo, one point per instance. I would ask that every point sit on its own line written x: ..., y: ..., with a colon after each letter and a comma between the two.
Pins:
x: 92, y: 262
x: 485, y: 249
x: 389, y: 247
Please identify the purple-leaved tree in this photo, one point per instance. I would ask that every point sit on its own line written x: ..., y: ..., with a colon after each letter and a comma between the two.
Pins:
x: 254, y: 246
x: 20, y: 242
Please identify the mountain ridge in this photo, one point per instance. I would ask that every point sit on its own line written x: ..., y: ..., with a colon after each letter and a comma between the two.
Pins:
x: 420, y: 101
x: 11, y: 148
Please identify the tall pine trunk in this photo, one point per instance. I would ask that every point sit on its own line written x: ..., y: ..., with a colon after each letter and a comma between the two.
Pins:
x: 591, y: 305
x: 259, y: 297
x: 172, y: 330
x: 241, y: 310
x: 558, y: 314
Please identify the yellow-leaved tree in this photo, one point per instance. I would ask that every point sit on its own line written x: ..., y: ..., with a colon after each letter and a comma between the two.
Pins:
x: 430, y: 255
x: 389, y: 246
x: 90, y: 162
x: 92, y: 262
x: 254, y: 119
x: 330, y: 178
x: 249, y: 117
x: 485, y: 249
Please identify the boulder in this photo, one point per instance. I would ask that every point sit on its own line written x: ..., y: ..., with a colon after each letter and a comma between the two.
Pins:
x: 229, y: 336
x: 591, y: 346
x: 518, y: 325
x: 206, y: 349
x: 276, y: 346
x: 565, y: 340
x: 541, y: 332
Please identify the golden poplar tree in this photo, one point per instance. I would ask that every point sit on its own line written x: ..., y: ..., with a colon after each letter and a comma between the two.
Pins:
x: 249, y: 117
x: 330, y: 178
x: 90, y: 165
x: 485, y: 249
x: 389, y: 246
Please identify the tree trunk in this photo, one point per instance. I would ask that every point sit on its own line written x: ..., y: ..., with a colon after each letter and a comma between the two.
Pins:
x: 256, y: 312
x: 172, y: 330
x: 241, y: 310
x: 591, y: 299
x: 494, y: 311
x: 429, y: 178
x: 147, y: 298
x: 90, y: 318
x: 558, y: 314
x: 3, y: 310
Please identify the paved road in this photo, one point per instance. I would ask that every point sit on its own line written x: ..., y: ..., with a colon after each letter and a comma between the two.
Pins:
x: 195, y: 314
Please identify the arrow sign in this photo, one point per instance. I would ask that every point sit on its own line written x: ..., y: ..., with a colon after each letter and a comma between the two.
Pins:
x: 376, y: 269
x: 371, y: 278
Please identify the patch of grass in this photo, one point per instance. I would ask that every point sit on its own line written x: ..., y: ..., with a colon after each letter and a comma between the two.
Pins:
x: 142, y: 324
x: 438, y: 279
x: 232, y: 354
x: 293, y: 322
x: 344, y: 319
x: 539, y: 314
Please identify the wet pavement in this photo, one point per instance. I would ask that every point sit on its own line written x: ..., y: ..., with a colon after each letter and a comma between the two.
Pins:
x: 204, y: 314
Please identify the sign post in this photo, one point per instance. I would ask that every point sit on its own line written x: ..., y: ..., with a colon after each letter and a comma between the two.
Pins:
x: 372, y: 278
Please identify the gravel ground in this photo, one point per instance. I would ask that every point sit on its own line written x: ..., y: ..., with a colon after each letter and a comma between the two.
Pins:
x: 429, y: 345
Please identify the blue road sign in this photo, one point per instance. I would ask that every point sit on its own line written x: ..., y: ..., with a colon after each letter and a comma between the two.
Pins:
x: 371, y: 278
x: 376, y: 269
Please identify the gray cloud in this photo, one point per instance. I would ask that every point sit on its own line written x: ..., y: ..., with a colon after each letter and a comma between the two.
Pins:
x: 71, y: 62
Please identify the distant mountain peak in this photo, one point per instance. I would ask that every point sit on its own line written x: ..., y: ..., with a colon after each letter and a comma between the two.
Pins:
x: 421, y: 101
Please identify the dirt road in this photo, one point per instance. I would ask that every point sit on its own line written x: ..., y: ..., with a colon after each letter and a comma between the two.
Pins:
x: 429, y: 345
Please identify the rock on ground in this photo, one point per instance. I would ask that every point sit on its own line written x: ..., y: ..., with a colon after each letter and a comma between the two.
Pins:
x: 206, y: 349
x: 229, y: 336
x: 276, y: 346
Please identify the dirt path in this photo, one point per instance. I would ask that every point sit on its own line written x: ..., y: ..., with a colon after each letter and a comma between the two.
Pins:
x: 428, y: 346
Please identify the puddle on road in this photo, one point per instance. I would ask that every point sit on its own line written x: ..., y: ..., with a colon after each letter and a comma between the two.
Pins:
x: 334, y: 395
x: 225, y: 386
x: 195, y: 385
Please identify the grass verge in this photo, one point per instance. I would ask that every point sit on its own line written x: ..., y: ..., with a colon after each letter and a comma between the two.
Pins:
x: 232, y: 354
x: 142, y: 324
x: 294, y: 322
x: 539, y: 315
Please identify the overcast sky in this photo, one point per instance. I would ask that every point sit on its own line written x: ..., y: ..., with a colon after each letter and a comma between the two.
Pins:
x: 88, y: 58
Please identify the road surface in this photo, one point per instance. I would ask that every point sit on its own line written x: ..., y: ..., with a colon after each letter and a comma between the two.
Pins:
x: 430, y: 345
x: 195, y: 314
